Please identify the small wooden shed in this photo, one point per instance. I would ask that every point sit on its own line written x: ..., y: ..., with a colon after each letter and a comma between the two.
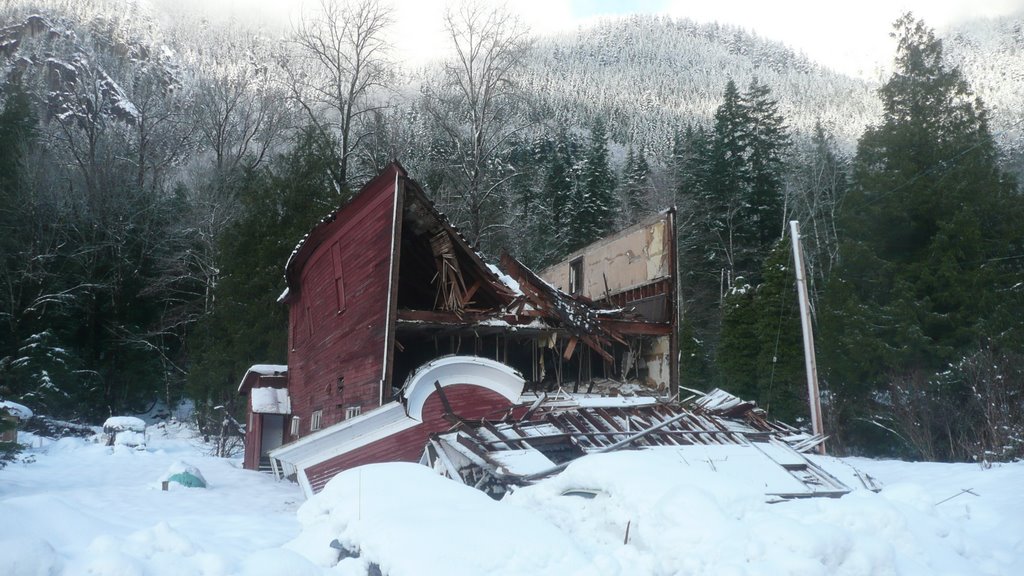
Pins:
x: 15, y: 414
x: 269, y: 413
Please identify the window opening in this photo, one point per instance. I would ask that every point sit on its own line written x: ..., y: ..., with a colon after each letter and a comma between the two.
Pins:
x: 576, y: 276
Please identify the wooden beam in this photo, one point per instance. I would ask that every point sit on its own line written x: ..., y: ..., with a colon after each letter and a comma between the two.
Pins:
x: 570, y: 348
x: 470, y: 292
x: 636, y: 327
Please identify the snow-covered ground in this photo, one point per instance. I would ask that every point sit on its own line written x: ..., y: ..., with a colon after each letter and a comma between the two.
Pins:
x: 80, y: 508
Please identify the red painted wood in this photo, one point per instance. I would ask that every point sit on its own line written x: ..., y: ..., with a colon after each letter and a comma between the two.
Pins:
x: 467, y: 400
x: 332, y: 339
x: 253, y: 438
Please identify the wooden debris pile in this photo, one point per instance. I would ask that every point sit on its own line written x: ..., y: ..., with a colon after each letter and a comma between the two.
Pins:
x: 540, y: 441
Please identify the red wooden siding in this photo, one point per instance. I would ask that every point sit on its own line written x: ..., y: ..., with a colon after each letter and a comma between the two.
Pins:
x: 253, y: 436
x: 338, y: 309
x: 466, y: 400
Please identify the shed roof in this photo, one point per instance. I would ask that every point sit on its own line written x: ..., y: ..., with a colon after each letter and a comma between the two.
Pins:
x: 267, y: 374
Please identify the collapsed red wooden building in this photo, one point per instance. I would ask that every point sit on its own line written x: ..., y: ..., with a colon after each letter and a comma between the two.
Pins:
x: 384, y: 287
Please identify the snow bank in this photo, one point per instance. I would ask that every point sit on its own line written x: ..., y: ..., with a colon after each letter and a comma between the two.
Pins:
x: 413, y: 522
x: 28, y: 557
x: 77, y: 510
x: 688, y: 520
x: 631, y: 513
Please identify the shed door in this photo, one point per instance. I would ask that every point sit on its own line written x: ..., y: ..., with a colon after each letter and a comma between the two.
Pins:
x: 273, y: 433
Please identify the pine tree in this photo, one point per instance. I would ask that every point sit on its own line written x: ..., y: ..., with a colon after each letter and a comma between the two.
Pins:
x: 767, y: 142
x: 597, y: 218
x: 934, y: 231
x: 723, y: 193
x: 636, y: 185
x: 562, y: 230
x: 761, y: 352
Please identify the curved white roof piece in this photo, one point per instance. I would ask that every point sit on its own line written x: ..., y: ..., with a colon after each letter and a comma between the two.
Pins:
x: 451, y: 370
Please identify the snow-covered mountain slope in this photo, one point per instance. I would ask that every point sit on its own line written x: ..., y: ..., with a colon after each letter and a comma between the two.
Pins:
x: 647, y: 76
x: 651, y: 75
x: 75, y: 507
x: 991, y: 54
x: 79, y: 62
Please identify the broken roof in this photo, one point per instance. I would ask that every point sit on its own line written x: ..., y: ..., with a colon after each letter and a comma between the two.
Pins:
x: 542, y: 440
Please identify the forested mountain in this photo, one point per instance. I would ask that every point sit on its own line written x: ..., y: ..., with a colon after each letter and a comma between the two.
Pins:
x: 648, y: 75
x: 991, y: 54
x: 157, y: 167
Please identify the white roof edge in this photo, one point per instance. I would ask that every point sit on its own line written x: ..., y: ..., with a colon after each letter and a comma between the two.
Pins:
x: 452, y: 370
x: 264, y: 370
x: 345, y: 435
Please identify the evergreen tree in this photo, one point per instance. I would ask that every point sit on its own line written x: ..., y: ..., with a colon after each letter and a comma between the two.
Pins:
x: 699, y: 268
x: 723, y: 193
x: 760, y: 355
x: 280, y: 204
x: 767, y: 142
x: 934, y: 232
x: 597, y: 219
x: 636, y: 185
x: 689, y: 161
x: 562, y: 229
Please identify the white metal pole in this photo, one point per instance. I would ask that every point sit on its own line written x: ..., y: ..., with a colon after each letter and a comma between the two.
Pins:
x: 814, y: 398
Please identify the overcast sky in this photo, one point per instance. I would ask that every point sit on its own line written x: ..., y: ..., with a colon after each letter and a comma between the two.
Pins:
x: 851, y: 36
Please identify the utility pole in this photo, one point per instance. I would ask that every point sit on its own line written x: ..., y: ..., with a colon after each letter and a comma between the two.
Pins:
x: 814, y: 397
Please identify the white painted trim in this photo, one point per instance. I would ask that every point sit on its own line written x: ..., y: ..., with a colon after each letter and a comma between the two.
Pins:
x: 391, y: 276
x: 307, y: 488
x: 342, y: 432
x: 451, y: 370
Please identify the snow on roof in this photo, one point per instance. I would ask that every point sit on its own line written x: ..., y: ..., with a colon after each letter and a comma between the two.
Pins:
x: 523, y: 462
x: 257, y: 371
x: 269, y: 369
x: 597, y: 401
x: 14, y: 409
x: 270, y: 401
x: 719, y: 400
x: 122, y: 423
x: 507, y: 280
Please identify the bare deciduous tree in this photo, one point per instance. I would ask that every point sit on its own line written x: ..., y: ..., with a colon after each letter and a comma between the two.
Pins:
x: 340, y: 58
x: 240, y: 110
x: 477, y: 106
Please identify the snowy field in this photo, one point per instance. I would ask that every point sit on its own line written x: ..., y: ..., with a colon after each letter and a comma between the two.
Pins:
x: 80, y: 508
